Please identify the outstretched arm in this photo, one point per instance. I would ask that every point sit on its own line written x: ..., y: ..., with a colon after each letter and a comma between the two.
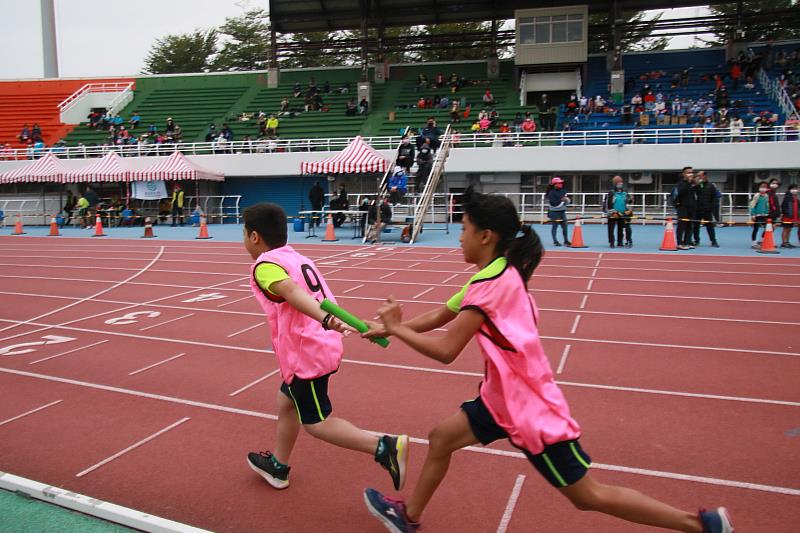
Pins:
x: 303, y: 302
x: 428, y: 321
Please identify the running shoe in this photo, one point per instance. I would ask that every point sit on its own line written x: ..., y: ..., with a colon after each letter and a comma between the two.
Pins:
x: 391, y: 512
x: 263, y: 464
x: 393, y: 457
x: 716, y: 520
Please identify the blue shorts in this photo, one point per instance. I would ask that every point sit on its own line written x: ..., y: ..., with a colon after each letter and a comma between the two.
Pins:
x: 561, y: 464
x: 310, y: 398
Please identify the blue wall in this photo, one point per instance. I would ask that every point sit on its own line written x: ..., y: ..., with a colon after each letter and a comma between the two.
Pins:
x: 287, y: 191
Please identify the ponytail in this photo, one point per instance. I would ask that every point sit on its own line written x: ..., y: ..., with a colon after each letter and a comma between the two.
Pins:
x: 525, y: 252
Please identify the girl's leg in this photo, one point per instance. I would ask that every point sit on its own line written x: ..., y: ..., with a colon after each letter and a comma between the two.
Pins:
x: 755, y: 231
x: 564, y: 228
x: 342, y: 433
x: 628, y: 504
x: 553, y: 230
x: 288, y: 428
x: 450, y: 435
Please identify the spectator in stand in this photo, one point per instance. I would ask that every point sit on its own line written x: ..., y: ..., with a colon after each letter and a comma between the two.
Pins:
x: 317, y: 198
x: 134, y: 120
x: 363, y: 106
x: 617, y: 209
x: 791, y: 216
x: 476, y: 126
x: 528, y: 125
x: 227, y: 132
x: 488, y: 97
x: 735, y: 73
x: 350, y: 108
x: 455, y: 82
x: 422, y: 82
x: 484, y: 124
x: 430, y: 132
x: 759, y: 211
x: 285, y: 105
x: 685, y: 77
x: 736, y: 129
x: 326, y: 87
x: 117, y: 121
x: 211, y: 134
x: 557, y: 202
x: 272, y: 126
x: 706, y: 193
x: 24, y: 135
x: 398, y: 185
x: 405, y: 154
x: 686, y: 204
x: 439, y: 80
x: 455, y: 114
x: 424, y: 164
x: 297, y: 90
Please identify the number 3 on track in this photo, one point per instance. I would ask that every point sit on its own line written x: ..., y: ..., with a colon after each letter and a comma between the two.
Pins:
x: 49, y: 339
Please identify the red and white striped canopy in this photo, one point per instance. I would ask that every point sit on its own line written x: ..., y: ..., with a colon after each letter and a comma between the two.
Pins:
x: 356, y: 158
x: 176, y: 167
x: 108, y: 169
x: 48, y: 169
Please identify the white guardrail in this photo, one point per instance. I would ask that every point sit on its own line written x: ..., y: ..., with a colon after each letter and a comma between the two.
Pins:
x: 476, y: 140
x: 111, y: 87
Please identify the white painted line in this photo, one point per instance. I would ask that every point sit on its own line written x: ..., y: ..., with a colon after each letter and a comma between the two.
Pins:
x: 575, y: 325
x: 73, y: 304
x: 450, y: 278
x: 256, y: 382
x: 353, y: 288
x: 166, y: 322
x: 91, y: 506
x: 426, y: 291
x: 563, y: 362
x: 246, y: 286
x: 465, y: 270
x: 387, y: 275
x: 156, y: 364
x: 415, y: 264
x: 594, y: 272
x: 26, y: 413
x: 361, y: 263
x: 234, y: 301
x: 131, y: 447
x: 67, y: 352
x: 589, y: 285
x: 435, y: 257
x: 583, y: 301
x: 512, y: 502
x: 246, y: 329
x: 333, y: 272
x: 489, y: 451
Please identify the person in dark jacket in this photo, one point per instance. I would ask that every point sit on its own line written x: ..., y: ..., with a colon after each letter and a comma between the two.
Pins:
x: 686, y: 203
x: 791, y: 215
x: 405, y: 154
x: 706, y: 193
x: 557, y: 202
x: 317, y: 198
x: 340, y: 203
x: 617, y: 208
x: 430, y: 131
x: 774, y: 204
x: 425, y: 165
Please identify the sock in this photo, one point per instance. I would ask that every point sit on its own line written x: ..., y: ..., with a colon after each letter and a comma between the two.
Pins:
x: 381, y: 448
x: 277, y: 464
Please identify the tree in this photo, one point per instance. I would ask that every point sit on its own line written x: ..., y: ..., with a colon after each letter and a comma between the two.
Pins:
x: 189, y: 52
x: 475, y: 47
x: 640, y: 39
x: 324, y: 53
x: 245, y: 42
x: 758, y: 22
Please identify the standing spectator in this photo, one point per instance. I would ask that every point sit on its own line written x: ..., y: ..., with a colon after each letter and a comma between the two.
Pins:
x: 791, y: 215
x: 84, y: 214
x: 736, y: 129
x: 405, y: 154
x: 134, y: 120
x: 398, y: 185
x: 546, y: 114
x: 759, y: 211
x: 774, y: 204
x: 24, y: 135
x: 69, y: 207
x: 455, y: 115
x: 177, y: 204
x: 557, y: 202
x: 425, y: 164
x: 91, y: 196
x: 340, y: 203
x: 285, y: 105
x: 317, y: 198
x: 363, y: 106
x: 706, y: 193
x: 735, y: 73
x: 686, y: 204
x: 272, y: 126
x: 617, y: 207
x: 430, y: 132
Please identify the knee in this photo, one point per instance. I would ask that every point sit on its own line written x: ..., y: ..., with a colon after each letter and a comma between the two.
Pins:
x: 587, y: 500
x: 439, y: 442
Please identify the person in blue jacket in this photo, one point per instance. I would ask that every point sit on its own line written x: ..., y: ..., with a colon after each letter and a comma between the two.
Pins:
x: 398, y: 185
x: 557, y: 202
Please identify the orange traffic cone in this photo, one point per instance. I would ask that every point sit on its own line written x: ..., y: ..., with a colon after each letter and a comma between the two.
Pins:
x: 98, y: 227
x: 669, y: 244
x: 203, y: 230
x: 53, y: 228
x: 577, y: 235
x: 330, y: 232
x: 768, y: 243
x: 18, y: 227
x: 148, y: 229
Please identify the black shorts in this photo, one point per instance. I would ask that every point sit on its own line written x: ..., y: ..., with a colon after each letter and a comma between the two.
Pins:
x: 562, y: 464
x: 310, y: 398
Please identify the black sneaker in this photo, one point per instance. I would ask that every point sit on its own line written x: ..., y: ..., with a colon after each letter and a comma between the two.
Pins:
x: 389, y: 511
x: 567, y: 243
x: 620, y: 245
x: 611, y: 245
x: 715, y: 244
x: 261, y: 463
x: 556, y: 243
x: 394, y: 457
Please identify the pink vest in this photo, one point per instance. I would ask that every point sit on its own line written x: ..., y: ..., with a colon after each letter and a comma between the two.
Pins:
x: 303, y: 348
x: 518, y: 388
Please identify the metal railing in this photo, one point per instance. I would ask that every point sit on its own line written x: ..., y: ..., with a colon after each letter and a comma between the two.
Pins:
x: 777, y: 92
x: 109, y: 87
x: 474, y: 140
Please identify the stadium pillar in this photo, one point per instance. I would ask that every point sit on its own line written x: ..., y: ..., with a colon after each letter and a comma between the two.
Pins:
x: 615, y: 55
x: 364, y: 5
x: 49, y: 41
x: 272, y: 72
x: 493, y: 63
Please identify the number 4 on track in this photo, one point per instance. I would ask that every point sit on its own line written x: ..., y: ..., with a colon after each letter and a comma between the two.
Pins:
x: 205, y: 297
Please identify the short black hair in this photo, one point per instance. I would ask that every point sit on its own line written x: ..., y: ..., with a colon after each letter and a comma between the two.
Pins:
x: 269, y: 221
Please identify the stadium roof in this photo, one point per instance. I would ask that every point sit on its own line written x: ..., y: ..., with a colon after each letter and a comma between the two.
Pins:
x: 294, y: 16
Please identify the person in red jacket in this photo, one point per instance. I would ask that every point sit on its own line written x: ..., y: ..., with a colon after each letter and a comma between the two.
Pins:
x: 791, y: 216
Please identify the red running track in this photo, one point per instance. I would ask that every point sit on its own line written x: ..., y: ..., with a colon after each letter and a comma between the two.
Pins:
x: 682, y: 371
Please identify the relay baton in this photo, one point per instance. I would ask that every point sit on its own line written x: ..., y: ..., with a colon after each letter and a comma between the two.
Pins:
x: 351, y: 320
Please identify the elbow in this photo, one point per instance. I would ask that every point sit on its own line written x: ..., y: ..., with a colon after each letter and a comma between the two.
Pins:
x: 448, y: 356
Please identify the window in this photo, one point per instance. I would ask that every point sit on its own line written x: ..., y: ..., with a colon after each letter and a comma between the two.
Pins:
x: 550, y: 29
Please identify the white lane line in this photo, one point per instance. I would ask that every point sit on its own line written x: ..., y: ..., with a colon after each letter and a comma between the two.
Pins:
x: 67, y: 352
x: 512, y: 502
x: 246, y: 286
x: 77, y: 302
x: 387, y: 275
x: 333, y: 272
x: 167, y: 360
x: 131, y: 447
x: 594, y: 272
x: 435, y: 257
x: 166, y: 322
x: 246, y: 329
x: 488, y: 451
x: 589, y: 285
x: 563, y: 362
x: 26, y: 413
x: 426, y: 291
x: 575, y: 325
x: 583, y: 301
x: 256, y: 382
x: 352, y: 289
x: 450, y: 278
x: 234, y: 301
x: 414, y: 265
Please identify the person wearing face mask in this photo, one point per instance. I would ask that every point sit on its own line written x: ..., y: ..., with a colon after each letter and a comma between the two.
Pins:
x: 774, y: 204
x: 686, y: 203
x: 405, y: 154
x: 706, y: 193
x: 557, y: 202
x: 759, y: 210
x: 617, y: 208
x: 791, y: 216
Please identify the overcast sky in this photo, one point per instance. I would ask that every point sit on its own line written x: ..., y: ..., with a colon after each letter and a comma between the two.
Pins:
x: 112, y: 38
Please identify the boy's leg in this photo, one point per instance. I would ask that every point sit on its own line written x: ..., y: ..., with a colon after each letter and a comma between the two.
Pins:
x: 288, y: 428
x: 342, y: 433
